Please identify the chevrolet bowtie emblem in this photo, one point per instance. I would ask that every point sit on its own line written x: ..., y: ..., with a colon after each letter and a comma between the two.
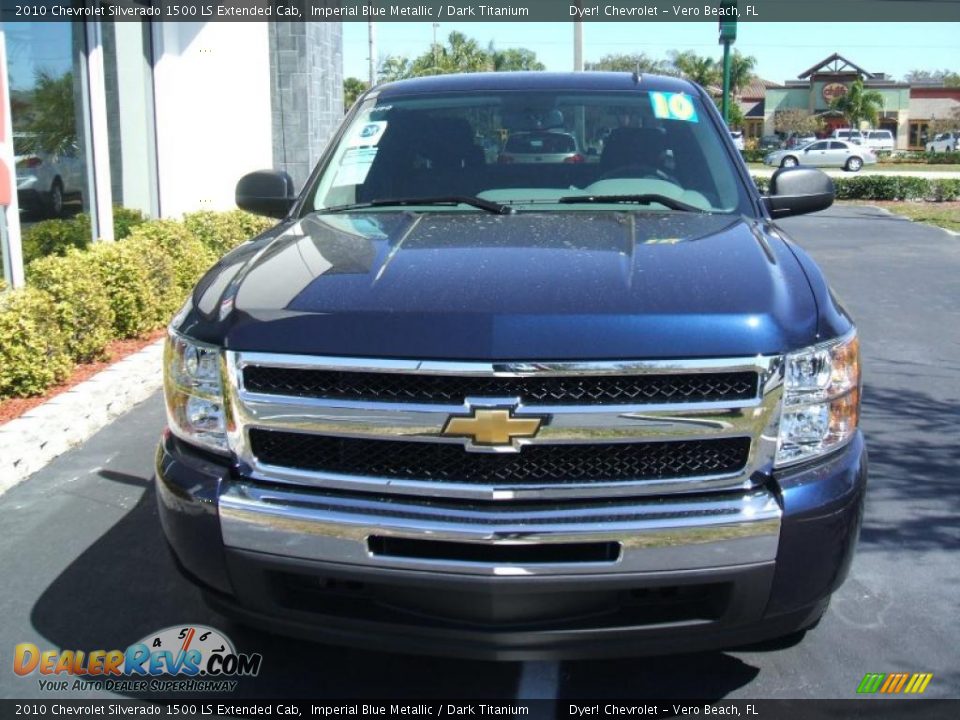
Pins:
x: 492, y: 427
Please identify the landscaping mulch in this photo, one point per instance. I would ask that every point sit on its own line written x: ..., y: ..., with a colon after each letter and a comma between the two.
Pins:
x: 117, y: 350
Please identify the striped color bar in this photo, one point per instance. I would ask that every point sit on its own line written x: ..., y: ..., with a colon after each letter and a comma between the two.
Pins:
x: 893, y: 683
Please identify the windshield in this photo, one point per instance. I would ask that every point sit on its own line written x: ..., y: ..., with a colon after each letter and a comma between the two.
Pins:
x: 529, y: 150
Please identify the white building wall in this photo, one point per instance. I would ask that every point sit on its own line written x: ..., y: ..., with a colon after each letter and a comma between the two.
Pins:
x: 212, y: 98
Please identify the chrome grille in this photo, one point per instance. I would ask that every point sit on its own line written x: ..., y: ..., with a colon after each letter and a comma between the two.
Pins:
x: 551, y: 390
x: 542, y: 464
x: 608, y: 428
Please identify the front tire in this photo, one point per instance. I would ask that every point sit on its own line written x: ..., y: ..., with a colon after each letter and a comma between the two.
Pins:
x: 789, y: 162
x: 853, y: 164
x: 55, y: 199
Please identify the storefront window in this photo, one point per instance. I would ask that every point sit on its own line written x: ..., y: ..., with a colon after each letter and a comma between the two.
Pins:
x: 44, y: 62
x: 918, y: 133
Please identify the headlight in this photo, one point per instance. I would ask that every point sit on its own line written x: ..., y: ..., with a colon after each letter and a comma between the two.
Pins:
x: 821, y: 400
x: 194, y: 392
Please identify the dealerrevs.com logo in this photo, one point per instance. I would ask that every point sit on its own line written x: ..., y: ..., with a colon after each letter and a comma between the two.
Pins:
x: 187, y: 658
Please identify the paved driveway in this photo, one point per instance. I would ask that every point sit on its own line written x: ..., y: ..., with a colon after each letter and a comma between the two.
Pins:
x: 84, y: 565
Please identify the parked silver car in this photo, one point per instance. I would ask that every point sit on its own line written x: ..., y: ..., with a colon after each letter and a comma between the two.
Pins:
x: 45, y: 179
x: 945, y: 142
x: 824, y: 153
x: 541, y: 146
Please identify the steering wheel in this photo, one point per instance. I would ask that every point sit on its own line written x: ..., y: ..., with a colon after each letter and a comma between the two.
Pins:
x: 638, y: 171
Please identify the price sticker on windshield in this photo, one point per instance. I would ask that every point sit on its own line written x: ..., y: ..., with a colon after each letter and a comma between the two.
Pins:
x: 673, y: 106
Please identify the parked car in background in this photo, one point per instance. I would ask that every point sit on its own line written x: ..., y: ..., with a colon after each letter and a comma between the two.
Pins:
x: 879, y: 140
x: 547, y: 146
x: 797, y: 140
x: 824, y: 153
x: 771, y: 142
x: 45, y: 179
x: 848, y: 135
x: 944, y: 142
x: 737, y: 136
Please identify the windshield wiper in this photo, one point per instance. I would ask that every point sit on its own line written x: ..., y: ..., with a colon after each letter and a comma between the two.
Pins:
x: 645, y: 199
x: 480, y: 203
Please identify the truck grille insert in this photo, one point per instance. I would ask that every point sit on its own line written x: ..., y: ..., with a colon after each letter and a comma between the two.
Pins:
x: 552, y: 390
x: 553, y: 464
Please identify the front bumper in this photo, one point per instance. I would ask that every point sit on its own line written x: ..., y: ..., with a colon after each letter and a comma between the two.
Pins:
x: 538, y: 579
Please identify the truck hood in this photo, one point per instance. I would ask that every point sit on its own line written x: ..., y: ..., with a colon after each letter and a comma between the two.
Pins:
x: 558, y: 285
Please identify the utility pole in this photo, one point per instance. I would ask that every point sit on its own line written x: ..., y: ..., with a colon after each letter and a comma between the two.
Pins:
x: 728, y: 35
x: 372, y: 48
x: 578, y: 42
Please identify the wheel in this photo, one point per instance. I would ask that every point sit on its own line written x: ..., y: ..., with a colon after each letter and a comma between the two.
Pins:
x: 55, y: 199
x: 853, y: 164
x: 789, y: 161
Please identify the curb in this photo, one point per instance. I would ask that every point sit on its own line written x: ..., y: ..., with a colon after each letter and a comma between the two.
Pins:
x: 32, y: 440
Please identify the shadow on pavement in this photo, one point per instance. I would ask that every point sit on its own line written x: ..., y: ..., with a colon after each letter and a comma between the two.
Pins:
x: 913, y: 471
x: 706, y: 676
x: 126, y: 586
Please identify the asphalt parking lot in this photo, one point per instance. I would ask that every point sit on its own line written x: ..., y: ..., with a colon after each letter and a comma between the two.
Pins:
x: 84, y: 564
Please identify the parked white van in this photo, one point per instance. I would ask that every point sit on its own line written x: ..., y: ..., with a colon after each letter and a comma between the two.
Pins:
x: 848, y: 134
x: 879, y: 140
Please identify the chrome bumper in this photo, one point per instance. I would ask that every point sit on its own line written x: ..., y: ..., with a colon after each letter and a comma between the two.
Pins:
x: 681, y: 533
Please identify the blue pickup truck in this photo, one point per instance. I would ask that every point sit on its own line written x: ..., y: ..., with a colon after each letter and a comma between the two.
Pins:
x: 592, y: 403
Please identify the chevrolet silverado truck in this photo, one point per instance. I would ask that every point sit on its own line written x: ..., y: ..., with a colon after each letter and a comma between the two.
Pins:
x: 456, y: 406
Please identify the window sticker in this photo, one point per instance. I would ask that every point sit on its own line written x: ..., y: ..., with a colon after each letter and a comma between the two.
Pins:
x: 673, y: 106
x: 355, y: 165
x: 368, y: 134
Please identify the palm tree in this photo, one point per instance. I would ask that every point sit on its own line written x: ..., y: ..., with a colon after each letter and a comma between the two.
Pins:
x: 741, y: 71
x: 702, y: 70
x: 859, y: 104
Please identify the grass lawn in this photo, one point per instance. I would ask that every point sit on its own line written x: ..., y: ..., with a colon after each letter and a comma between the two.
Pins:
x: 944, y: 214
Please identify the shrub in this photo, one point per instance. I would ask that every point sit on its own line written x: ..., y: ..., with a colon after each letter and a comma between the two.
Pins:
x: 33, y: 355
x: 133, y: 278
x: 189, y: 256
x: 125, y: 220
x: 224, y: 231
x: 887, y: 187
x: 54, y: 237
x: 81, y: 306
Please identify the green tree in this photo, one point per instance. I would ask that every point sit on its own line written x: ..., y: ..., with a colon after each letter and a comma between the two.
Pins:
x: 741, y: 71
x: 947, y: 77
x: 50, y: 125
x: 859, y: 104
x: 394, y: 67
x: 352, y: 89
x: 513, y: 59
x: 699, y: 69
x: 796, y: 121
x: 460, y: 54
x: 633, y: 62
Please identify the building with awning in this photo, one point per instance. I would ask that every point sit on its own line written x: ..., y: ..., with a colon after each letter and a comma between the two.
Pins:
x: 907, y: 109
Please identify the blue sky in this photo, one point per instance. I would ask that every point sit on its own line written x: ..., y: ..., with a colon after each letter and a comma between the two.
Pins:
x: 782, y: 50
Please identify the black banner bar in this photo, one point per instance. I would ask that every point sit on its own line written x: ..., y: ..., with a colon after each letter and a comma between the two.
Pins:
x: 879, y: 708
x: 859, y: 11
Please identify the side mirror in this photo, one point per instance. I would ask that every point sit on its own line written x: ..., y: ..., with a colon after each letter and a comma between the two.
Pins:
x: 796, y: 191
x: 266, y: 192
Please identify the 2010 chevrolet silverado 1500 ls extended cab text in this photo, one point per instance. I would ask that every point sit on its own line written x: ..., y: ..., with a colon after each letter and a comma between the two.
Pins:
x: 592, y: 404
